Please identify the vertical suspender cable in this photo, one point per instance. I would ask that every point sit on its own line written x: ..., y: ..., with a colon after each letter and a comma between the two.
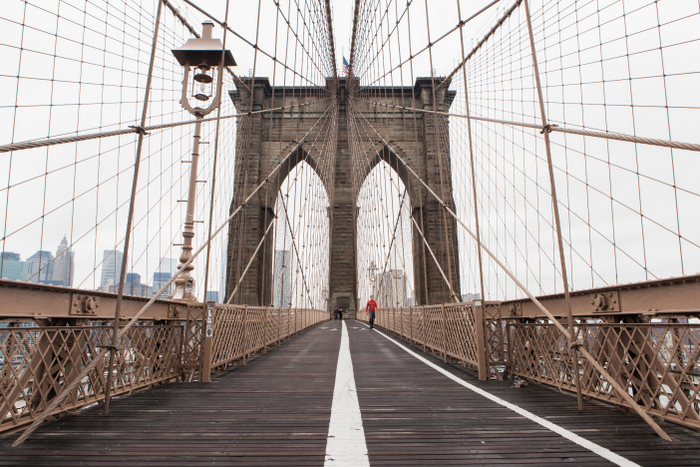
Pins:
x: 130, y: 218
x: 555, y: 206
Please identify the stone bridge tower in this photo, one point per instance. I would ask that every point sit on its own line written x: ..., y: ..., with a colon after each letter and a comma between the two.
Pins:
x: 418, y: 138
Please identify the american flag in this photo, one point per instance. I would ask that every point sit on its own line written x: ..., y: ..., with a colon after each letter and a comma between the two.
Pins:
x: 346, y: 66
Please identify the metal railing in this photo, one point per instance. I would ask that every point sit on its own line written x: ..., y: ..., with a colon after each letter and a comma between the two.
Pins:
x: 656, y: 362
x: 239, y: 331
x: 449, y: 330
x: 38, y: 362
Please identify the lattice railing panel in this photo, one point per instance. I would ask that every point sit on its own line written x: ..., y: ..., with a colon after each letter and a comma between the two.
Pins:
x: 255, y: 328
x: 496, y: 339
x: 271, y: 325
x: 229, y: 334
x: 434, y: 331
x: 38, y: 361
x: 240, y: 331
x: 448, y: 330
x: 460, y: 325
x: 656, y: 362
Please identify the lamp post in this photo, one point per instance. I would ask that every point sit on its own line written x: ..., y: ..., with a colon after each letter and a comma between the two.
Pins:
x: 324, y: 294
x: 372, y: 271
x: 200, y: 57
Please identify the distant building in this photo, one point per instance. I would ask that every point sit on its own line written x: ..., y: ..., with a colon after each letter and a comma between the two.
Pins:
x: 391, y: 289
x: 11, y: 267
x: 282, y: 295
x: 133, y: 286
x: 63, y: 265
x: 470, y: 297
x: 213, y: 296
x: 40, y: 267
x: 111, y: 268
x: 167, y: 267
x: 159, y: 280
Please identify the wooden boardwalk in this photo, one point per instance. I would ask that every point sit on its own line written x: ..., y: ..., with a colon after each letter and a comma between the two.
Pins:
x: 276, y: 411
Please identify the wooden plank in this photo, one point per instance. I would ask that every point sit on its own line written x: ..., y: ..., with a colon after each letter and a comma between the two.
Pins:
x: 276, y: 411
x: 273, y: 411
x: 413, y: 415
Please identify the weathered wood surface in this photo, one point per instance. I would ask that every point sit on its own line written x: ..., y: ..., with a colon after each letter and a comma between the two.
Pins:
x: 276, y: 411
x: 273, y: 411
x: 413, y: 415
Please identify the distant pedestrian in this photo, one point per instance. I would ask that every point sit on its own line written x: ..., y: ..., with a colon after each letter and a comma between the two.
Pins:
x: 370, y: 310
x: 335, y: 313
x: 340, y: 313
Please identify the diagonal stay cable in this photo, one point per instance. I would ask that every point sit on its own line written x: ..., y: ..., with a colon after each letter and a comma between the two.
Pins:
x: 565, y: 332
x: 252, y: 258
x: 32, y: 144
x: 88, y: 368
x: 254, y: 46
x: 552, y: 128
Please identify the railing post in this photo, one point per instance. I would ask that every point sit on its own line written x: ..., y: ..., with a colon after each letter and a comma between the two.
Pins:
x: 205, y: 365
x: 444, y: 338
x: 245, y: 333
x: 573, y: 339
x: 264, y: 349
x: 410, y: 316
x: 422, y: 313
x: 510, y: 350
x: 480, y: 325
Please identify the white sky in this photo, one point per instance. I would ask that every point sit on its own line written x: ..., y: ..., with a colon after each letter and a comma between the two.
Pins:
x: 631, y: 210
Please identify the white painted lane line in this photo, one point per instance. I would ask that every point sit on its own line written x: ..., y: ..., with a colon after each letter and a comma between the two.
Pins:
x: 346, y: 445
x: 583, y: 442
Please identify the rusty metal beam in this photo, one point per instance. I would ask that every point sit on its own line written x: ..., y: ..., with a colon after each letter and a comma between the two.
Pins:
x: 675, y: 296
x: 27, y: 300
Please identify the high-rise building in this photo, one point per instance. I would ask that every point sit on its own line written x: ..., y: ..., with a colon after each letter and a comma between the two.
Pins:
x: 132, y: 286
x: 40, y: 267
x: 63, y: 265
x: 166, y: 269
x: 11, y: 267
x: 159, y: 280
x: 282, y: 295
x: 391, y: 289
x: 470, y: 297
x: 111, y: 268
x: 212, y: 296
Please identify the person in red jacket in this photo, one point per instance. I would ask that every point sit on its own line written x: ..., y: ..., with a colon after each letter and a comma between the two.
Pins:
x: 370, y: 310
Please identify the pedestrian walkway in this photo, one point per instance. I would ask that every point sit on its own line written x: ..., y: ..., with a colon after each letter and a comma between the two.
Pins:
x: 414, y: 410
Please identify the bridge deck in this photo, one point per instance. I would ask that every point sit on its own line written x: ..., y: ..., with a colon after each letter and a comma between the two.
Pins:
x: 276, y: 411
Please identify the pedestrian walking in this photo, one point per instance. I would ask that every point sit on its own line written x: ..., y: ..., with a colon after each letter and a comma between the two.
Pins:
x: 370, y: 309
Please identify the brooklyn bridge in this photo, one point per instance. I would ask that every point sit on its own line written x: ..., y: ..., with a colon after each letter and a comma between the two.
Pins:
x: 201, y: 199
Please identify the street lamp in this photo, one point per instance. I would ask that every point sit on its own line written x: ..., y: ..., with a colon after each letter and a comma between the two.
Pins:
x: 201, y: 58
x: 324, y: 294
x: 372, y: 271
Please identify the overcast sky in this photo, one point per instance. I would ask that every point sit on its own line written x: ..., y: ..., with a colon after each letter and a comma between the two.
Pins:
x: 629, y: 211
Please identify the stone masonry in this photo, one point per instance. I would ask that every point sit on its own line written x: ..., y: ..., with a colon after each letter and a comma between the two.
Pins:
x: 264, y: 139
